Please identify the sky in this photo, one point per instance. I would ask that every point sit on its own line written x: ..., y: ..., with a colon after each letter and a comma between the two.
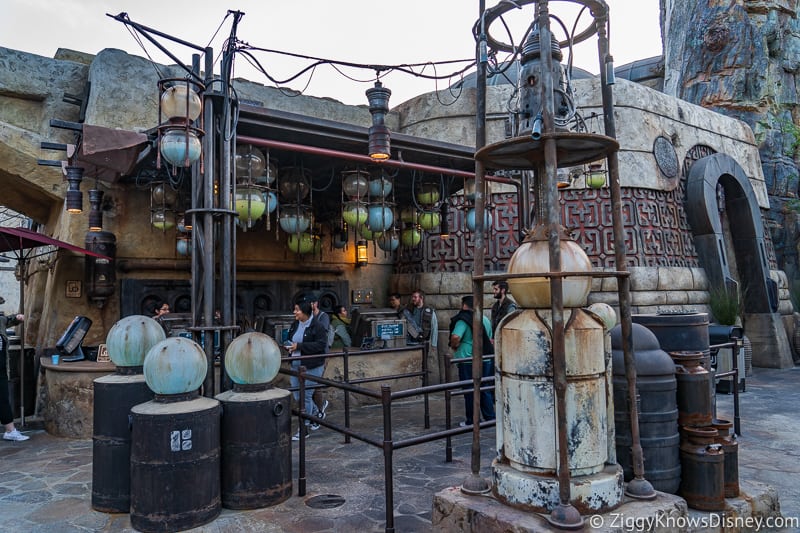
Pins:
x: 365, y: 32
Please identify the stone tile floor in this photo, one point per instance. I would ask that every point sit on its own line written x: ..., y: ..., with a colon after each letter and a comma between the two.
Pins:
x: 45, y: 483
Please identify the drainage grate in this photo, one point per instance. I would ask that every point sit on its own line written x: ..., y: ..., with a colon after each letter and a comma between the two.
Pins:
x: 325, y: 501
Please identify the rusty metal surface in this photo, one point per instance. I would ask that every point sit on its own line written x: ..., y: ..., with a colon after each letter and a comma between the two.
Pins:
x: 695, y: 385
x: 702, y: 469
x: 114, y: 396
x: 175, y: 465
x: 256, y: 448
x: 106, y: 153
x: 524, y: 152
x: 525, y: 386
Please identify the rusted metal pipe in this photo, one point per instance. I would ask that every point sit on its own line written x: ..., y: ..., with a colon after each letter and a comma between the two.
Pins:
x: 638, y: 487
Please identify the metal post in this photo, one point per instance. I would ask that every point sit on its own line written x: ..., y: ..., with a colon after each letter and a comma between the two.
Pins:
x: 638, y: 487
x: 475, y: 484
x: 388, y: 451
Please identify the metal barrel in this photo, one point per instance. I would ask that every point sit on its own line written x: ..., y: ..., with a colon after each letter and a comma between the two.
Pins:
x: 695, y: 386
x: 679, y: 332
x: 175, y: 464
x: 658, y: 411
x: 114, y: 396
x: 730, y: 446
x: 256, y: 448
x: 702, y: 469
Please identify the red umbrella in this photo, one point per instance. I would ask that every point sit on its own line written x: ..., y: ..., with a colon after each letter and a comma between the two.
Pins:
x: 27, y: 244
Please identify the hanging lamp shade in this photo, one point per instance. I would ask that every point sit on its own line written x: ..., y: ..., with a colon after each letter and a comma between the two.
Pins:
x: 379, y: 148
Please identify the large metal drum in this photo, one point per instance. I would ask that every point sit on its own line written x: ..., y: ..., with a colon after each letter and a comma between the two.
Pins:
x: 658, y: 411
x: 114, y: 396
x: 175, y: 464
x: 679, y: 332
x: 525, y: 473
x: 256, y: 447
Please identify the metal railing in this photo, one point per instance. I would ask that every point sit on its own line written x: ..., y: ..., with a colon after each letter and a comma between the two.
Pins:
x: 386, y: 397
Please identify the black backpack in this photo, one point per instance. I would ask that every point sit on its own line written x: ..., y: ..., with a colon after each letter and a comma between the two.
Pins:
x: 466, y: 316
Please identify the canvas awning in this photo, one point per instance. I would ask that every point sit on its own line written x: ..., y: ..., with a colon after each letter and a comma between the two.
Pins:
x: 106, y: 153
x: 18, y: 239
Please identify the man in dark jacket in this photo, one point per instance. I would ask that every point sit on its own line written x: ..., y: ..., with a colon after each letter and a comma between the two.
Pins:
x: 503, y: 306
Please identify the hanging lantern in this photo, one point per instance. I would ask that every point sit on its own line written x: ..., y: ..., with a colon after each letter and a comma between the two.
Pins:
x: 295, y: 219
x: 470, y: 219
x: 180, y: 104
x: 389, y: 241
x: 596, y: 176
x: 368, y: 234
x: 380, y: 217
x: 428, y: 220
x: 411, y: 237
x: 250, y: 162
x: 271, y: 199
x: 533, y: 256
x: 179, y: 146
x: 183, y: 245
x: 249, y: 204
x: 355, y: 214
x: 339, y: 238
x: 361, y: 254
x: 293, y: 184
x: 162, y: 219
x: 428, y: 194
x: 380, y: 187
x: 305, y: 243
x: 409, y: 215
x: 355, y: 184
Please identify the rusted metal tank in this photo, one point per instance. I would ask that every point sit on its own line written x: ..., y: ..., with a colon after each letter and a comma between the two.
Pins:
x: 679, y: 332
x: 658, y: 410
x: 114, y: 396
x: 256, y: 446
x: 730, y: 446
x: 702, y: 469
x: 524, y: 473
x: 695, y: 383
x: 175, y: 463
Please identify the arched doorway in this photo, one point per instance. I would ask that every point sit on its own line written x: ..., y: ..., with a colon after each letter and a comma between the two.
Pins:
x: 725, y: 218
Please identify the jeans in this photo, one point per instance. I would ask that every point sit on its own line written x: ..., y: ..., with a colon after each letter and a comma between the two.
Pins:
x: 311, y: 407
x: 487, y: 397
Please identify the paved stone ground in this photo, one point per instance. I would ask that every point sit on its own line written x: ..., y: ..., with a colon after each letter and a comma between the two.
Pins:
x: 45, y: 483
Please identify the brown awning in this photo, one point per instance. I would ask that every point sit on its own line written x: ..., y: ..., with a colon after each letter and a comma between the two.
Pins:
x: 18, y: 239
x: 108, y: 154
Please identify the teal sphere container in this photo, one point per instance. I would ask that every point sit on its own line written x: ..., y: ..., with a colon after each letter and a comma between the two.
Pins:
x: 175, y: 366
x: 131, y: 338
x: 252, y: 358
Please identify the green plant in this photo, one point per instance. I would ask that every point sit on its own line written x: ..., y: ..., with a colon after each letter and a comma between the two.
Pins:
x: 724, y: 304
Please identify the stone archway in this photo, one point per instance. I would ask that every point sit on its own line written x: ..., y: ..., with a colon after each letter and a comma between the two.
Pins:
x: 717, y: 182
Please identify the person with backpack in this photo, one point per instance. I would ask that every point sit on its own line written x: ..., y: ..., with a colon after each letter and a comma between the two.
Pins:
x: 461, y: 342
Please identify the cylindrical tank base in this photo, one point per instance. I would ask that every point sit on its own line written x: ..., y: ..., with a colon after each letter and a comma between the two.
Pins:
x: 175, y: 465
x: 114, y: 396
x: 591, y: 494
x: 256, y: 448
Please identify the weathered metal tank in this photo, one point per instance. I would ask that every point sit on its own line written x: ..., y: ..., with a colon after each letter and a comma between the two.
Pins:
x: 524, y: 472
x: 658, y: 410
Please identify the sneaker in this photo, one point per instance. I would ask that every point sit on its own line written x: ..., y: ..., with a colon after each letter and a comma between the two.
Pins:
x: 463, y: 424
x: 296, y: 436
x: 15, y: 435
x: 322, y: 410
x: 313, y: 426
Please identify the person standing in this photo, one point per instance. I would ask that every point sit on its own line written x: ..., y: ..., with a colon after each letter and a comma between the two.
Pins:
x: 503, y: 306
x: 306, y: 337
x: 396, y: 304
x: 161, y: 310
x: 424, y: 320
x: 6, y: 413
x: 461, y: 342
x: 340, y: 322
x: 325, y: 322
